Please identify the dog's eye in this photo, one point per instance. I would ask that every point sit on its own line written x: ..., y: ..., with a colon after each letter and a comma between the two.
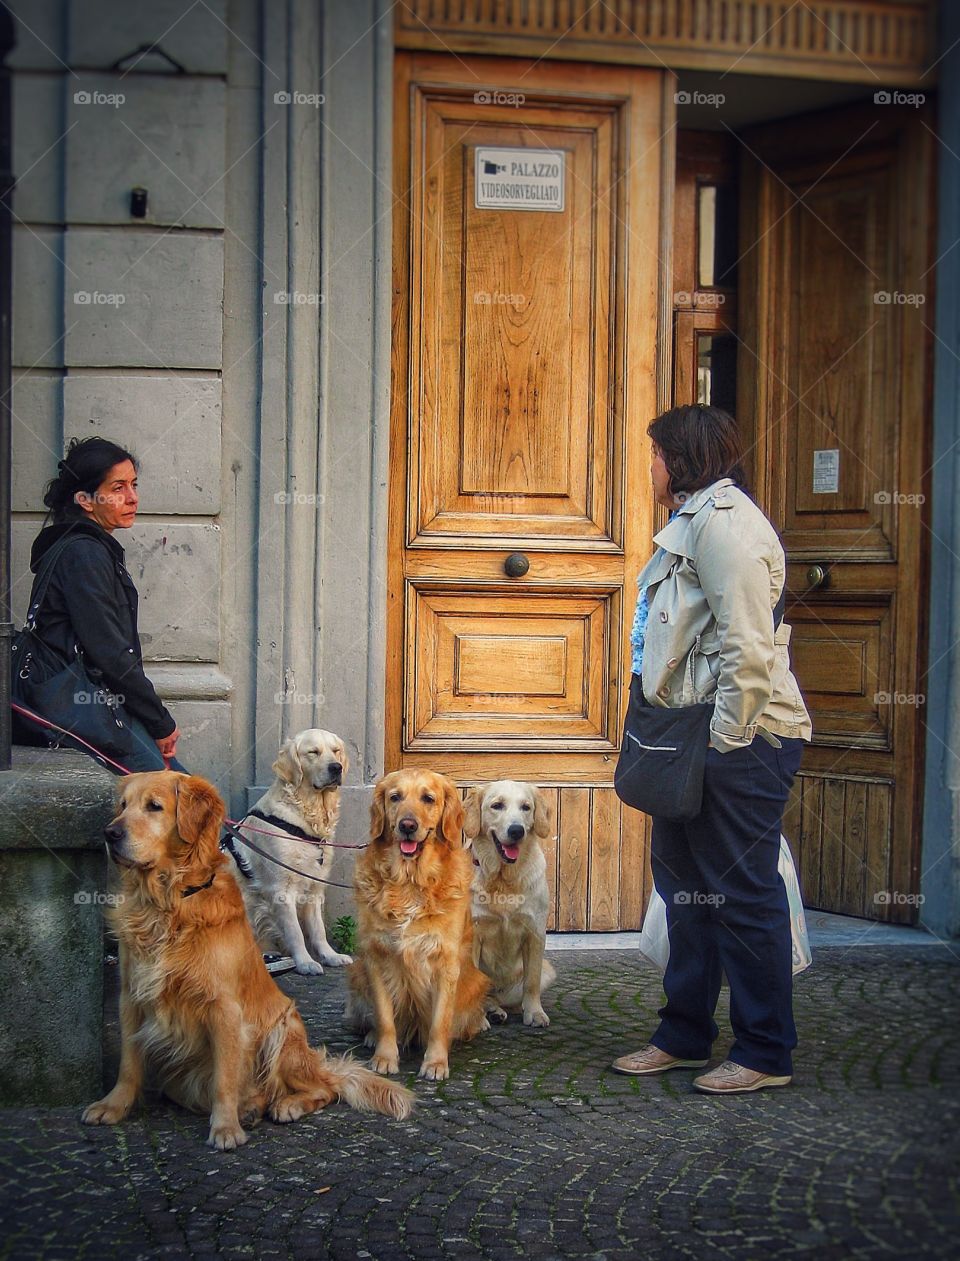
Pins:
x: 428, y: 798
x: 394, y: 796
x: 525, y: 806
x: 154, y: 805
x: 497, y: 805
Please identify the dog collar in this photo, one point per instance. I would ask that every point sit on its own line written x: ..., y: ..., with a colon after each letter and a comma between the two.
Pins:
x: 195, y: 888
x: 290, y: 828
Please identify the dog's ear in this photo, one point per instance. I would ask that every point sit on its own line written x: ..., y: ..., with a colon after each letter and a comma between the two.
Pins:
x: 378, y: 816
x: 123, y: 783
x: 344, y: 759
x: 287, y: 766
x: 471, y: 814
x: 541, y: 814
x: 200, y: 812
x: 451, y: 822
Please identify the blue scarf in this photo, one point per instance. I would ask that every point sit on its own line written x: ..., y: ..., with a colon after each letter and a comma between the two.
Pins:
x: 639, y: 629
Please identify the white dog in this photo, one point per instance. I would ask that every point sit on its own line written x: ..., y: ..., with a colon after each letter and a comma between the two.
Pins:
x: 285, y: 909
x: 510, y: 895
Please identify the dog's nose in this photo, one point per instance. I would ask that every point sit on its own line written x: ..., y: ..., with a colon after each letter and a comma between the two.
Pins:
x: 335, y: 769
x: 516, y: 831
x: 407, y: 825
x: 114, y: 832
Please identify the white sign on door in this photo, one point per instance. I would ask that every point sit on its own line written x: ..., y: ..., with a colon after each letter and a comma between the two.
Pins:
x: 826, y: 471
x: 519, y: 179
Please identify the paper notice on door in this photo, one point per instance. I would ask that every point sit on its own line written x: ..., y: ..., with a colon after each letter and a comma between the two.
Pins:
x: 519, y: 179
x: 826, y: 471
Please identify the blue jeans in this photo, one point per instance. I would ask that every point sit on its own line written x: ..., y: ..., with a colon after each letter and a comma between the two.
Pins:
x: 145, y: 756
x: 727, y: 911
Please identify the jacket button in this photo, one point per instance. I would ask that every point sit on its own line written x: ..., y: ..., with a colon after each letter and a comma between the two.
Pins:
x: 663, y: 616
x: 663, y: 691
x: 671, y: 663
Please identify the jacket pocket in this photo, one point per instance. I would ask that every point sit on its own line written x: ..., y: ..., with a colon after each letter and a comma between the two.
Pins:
x: 706, y: 667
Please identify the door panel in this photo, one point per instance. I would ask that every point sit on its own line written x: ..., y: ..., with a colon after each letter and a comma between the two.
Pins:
x: 836, y: 251
x: 488, y: 466
x: 524, y: 372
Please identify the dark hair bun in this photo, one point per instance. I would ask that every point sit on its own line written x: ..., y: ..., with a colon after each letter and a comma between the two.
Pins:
x: 85, y: 467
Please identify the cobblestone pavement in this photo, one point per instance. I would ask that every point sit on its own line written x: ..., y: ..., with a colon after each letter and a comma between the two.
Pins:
x: 533, y: 1148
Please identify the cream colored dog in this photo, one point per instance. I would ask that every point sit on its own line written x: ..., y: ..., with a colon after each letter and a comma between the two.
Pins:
x: 510, y: 896
x: 285, y: 909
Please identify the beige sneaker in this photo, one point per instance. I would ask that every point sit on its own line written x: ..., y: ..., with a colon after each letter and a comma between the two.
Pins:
x: 733, y: 1079
x: 650, y: 1060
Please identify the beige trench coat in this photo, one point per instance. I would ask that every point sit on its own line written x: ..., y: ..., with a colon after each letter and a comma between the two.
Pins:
x: 711, y: 591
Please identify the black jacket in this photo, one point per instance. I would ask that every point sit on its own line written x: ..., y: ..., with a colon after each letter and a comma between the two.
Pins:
x: 91, y: 600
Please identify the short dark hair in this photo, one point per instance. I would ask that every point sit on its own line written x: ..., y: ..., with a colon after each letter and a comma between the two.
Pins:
x: 699, y: 445
x: 86, y: 464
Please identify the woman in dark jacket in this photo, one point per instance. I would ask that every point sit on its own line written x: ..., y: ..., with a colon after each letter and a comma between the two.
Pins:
x: 91, y: 601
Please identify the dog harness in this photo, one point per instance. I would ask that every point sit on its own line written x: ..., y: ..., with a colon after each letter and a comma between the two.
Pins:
x: 290, y: 828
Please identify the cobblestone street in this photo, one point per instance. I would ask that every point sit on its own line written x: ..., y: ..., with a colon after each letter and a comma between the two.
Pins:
x: 534, y: 1148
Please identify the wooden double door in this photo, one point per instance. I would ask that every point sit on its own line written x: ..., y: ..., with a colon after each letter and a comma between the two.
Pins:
x: 532, y: 328
x: 526, y: 263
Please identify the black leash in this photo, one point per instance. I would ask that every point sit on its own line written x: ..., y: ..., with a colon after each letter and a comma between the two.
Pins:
x: 237, y: 836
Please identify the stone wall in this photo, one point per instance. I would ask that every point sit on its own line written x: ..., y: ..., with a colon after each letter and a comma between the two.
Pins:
x: 237, y: 338
x: 117, y: 319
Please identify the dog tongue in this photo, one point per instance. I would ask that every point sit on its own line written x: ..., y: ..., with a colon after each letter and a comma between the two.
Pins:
x: 512, y: 852
x: 408, y: 847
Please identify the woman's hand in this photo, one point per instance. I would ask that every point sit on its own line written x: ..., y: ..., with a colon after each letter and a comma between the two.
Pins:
x: 168, y: 745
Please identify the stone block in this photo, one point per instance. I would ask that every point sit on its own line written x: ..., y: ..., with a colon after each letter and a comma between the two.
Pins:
x: 172, y: 425
x: 204, y: 748
x: 102, y: 32
x: 41, y: 35
x: 176, y: 568
x: 37, y: 304
x: 143, y: 299
x: 164, y: 134
x: 53, y: 889
x: 35, y: 437
x: 38, y: 147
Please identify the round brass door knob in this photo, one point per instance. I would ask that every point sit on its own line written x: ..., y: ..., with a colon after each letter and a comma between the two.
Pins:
x: 516, y: 565
x: 817, y: 576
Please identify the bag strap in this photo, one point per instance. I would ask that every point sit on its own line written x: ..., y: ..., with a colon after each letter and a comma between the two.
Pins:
x: 780, y: 608
x: 42, y: 580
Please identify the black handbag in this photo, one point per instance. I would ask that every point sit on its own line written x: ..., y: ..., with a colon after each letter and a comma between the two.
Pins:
x: 664, y: 751
x: 69, y: 693
x: 662, y: 757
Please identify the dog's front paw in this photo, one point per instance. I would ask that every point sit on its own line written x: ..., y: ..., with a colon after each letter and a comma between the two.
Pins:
x: 536, y: 1016
x: 309, y: 967
x: 289, y: 1109
x: 385, y: 1061
x: 435, y: 1069
x: 496, y: 1013
x: 104, y: 1112
x: 336, y: 961
x: 227, y: 1136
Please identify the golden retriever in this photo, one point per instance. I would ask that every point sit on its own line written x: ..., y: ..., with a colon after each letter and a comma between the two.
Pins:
x: 197, y: 1003
x: 510, y: 896
x: 415, y: 979
x: 285, y: 909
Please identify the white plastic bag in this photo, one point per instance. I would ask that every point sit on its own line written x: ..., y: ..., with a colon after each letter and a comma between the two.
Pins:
x: 655, y: 941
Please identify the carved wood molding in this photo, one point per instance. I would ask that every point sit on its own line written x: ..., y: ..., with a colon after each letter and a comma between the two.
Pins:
x: 879, y: 42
